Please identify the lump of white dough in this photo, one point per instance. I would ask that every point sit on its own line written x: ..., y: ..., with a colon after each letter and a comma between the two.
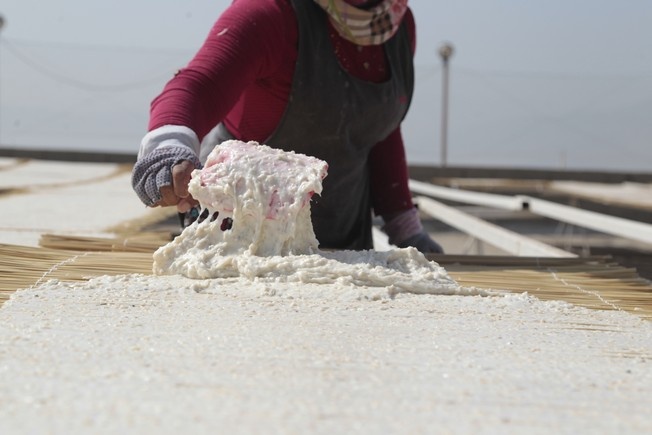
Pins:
x: 263, y: 191
x: 264, y: 195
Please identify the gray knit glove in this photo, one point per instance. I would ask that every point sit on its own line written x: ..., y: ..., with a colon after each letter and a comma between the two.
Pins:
x: 404, y: 229
x: 423, y: 243
x: 154, y: 171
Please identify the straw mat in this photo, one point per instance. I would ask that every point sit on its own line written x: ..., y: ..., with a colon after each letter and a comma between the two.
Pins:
x: 140, y: 242
x: 592, y: 282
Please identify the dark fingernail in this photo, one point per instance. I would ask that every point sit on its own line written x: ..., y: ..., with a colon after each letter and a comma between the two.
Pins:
x: 204, y: 214
x: 227, y: 223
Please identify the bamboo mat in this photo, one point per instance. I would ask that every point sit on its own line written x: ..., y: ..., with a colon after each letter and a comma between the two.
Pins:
x: 593, y: 285
x: 593, y: 282
x: 23, y: 267
x: 141, y: 242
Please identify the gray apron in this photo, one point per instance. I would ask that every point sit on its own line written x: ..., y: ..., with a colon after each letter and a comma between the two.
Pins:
x: 338, y: 118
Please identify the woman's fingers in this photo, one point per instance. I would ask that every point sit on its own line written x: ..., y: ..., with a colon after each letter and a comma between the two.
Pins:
x: 168, y: 197
x: 177, y: 193
x: 181, y: 173
x: 185, y: 204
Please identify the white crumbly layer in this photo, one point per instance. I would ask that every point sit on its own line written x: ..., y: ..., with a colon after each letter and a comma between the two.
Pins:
x: 168, y: 355
x: 266, y: 193
x: 397, y: 271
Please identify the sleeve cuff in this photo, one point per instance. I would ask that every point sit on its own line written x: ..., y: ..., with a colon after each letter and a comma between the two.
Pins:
x: 169, y: 136
x: 402, y: 226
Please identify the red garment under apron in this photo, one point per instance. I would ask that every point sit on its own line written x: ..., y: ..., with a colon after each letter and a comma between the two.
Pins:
x: 242, y: 76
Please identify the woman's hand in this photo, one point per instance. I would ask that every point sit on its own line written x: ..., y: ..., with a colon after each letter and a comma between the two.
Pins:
x: 161, y: 177
x: 404, y: 229
x: 423, y: 242
x: 177, y: 193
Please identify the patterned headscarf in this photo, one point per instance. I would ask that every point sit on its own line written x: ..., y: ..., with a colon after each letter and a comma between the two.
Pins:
x: 371, y: 26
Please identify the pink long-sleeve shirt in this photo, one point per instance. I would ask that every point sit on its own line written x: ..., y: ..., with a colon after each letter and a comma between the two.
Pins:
x: 242, y: 76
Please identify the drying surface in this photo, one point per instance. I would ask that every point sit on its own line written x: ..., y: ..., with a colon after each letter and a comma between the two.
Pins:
x: 627, y: 194
x: 64, y: 198
x: 166, y: 354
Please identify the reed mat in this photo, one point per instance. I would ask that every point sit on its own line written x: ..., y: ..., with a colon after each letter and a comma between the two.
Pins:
x: 593, y: 282
x: 140, y: 242
x: 24, y: 267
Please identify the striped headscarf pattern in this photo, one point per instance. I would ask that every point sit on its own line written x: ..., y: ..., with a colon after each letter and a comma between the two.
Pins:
x: 371, y: 26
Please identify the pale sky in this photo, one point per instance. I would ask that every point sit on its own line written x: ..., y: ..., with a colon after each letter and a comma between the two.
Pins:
x: 533, y: 83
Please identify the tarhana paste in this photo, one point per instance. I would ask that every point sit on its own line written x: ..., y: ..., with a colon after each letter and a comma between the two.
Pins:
x: 264, y: 195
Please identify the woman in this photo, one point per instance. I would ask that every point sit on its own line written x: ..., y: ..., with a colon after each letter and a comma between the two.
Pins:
x: 327, y: 78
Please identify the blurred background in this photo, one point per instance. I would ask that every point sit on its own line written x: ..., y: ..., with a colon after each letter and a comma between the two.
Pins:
x: 532, y: 84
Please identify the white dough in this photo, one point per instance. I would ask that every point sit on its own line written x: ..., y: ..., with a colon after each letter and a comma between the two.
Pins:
x: 266, y: 192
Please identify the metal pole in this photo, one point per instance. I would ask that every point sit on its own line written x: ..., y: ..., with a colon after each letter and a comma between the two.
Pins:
x: 445, y: 51
x: 2, y: 24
